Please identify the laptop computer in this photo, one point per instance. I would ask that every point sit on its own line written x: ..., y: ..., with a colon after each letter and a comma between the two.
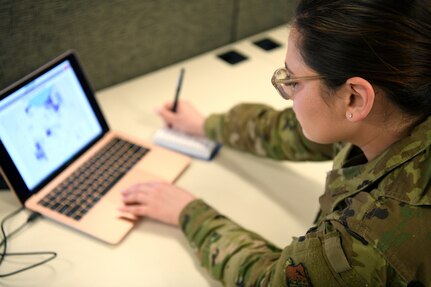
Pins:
x: 60, y: 158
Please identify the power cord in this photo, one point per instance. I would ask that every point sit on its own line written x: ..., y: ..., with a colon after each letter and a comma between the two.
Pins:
x: 32, y: 217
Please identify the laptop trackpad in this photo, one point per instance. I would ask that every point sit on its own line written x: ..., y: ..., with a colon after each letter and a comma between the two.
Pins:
x: 164, y: 164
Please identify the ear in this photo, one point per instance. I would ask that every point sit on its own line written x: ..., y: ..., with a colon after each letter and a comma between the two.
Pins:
x: 361, y: 99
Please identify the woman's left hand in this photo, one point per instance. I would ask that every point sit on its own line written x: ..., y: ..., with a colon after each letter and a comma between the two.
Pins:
x: 158, y: 200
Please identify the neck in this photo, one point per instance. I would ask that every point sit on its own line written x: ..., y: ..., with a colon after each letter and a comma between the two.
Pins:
x: 376, y: 139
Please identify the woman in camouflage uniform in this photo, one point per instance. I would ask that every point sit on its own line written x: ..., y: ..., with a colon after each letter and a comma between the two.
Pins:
x: 358, y: 72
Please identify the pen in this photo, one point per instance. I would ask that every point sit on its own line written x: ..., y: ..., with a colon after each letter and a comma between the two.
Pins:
x: 177, y: 93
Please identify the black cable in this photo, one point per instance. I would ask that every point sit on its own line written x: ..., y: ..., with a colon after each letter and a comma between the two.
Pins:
x: 31, y: 218
x: 4, y: 242
x: 53, y: 255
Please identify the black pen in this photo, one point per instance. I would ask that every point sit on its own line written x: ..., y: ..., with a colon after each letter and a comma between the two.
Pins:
x: 177, y: 93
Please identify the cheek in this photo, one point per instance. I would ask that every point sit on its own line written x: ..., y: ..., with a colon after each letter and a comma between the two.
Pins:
x: 314, y: 119
x: 305, y: 111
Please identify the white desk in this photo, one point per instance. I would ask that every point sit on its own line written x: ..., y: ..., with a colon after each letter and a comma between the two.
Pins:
x: 277, y: 200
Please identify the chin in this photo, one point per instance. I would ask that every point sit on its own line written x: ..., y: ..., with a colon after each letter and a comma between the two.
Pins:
x: 316, y: 138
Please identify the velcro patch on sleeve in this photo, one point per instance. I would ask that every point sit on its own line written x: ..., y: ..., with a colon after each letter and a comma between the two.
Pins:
x: 296, y: 276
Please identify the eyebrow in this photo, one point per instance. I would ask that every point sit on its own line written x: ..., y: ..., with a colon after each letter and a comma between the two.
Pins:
x: 287, y: 68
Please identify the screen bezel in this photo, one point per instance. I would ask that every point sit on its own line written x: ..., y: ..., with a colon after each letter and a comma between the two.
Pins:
x: 8, y: 168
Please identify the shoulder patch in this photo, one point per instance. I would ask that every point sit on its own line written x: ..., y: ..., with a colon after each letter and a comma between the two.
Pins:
x: 296, y: 276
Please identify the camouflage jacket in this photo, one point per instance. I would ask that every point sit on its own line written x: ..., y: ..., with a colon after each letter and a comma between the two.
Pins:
x: 374, y: 227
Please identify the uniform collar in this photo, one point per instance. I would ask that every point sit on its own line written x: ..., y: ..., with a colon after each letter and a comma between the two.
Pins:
x: 347, y: 179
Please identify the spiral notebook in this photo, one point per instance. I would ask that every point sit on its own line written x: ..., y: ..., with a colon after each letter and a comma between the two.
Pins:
x: 197, y: 147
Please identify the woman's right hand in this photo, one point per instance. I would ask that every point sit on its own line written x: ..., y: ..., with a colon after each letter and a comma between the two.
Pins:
x: 159, y: 200
x: 187, y: 118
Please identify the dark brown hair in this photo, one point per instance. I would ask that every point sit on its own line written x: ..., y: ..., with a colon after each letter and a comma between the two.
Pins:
x: 387, y: 42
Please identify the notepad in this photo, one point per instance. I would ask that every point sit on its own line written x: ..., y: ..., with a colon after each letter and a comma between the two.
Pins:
x: 197, y: 147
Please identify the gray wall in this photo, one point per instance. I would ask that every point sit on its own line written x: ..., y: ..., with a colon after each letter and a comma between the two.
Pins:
x: 118, y: 40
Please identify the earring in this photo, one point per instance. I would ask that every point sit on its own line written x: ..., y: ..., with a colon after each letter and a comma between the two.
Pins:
x: 349, y: 115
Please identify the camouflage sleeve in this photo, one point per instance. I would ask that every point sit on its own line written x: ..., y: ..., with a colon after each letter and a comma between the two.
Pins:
x: 325, y: 256
x: 262, y: 131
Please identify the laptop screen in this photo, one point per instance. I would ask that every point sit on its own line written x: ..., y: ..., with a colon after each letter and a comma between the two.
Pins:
x: 47, y: 122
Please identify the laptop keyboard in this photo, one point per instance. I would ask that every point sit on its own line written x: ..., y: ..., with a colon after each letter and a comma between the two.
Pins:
x: 79, y: 192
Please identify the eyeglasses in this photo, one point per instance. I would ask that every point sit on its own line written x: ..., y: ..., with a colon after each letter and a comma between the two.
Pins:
x: 285, y: 84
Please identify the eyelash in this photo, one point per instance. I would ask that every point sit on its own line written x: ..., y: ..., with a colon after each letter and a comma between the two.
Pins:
x: 293, y: 84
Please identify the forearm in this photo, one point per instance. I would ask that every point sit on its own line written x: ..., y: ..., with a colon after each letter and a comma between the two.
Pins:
x: 231, y: 254
x: 263, y: 131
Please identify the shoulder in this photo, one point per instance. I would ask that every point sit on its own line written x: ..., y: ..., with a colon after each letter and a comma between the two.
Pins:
x: 398, y: 230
